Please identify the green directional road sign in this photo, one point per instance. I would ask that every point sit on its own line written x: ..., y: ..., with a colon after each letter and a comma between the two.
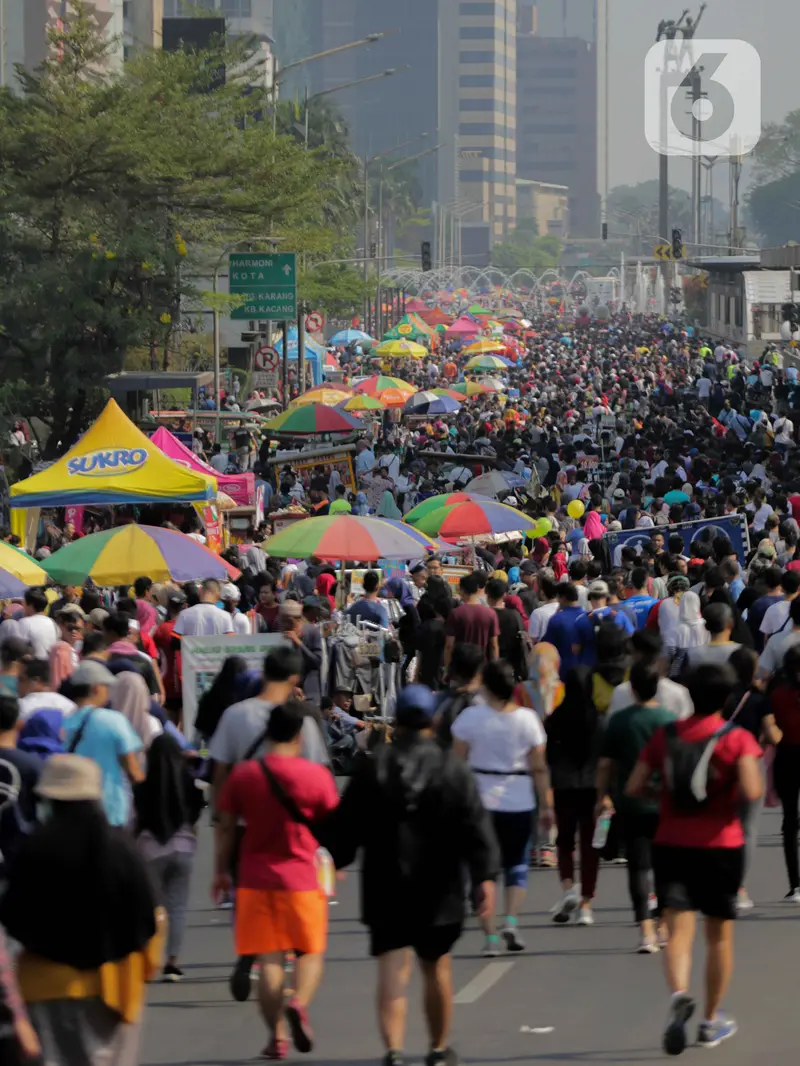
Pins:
x: 269, y: 283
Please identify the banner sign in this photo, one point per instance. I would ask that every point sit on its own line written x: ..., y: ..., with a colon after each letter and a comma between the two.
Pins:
x: 336, y: 460
x: 732, y: 526
x: 202, y: 659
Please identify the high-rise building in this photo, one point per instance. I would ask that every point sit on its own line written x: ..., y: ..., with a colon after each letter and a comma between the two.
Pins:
x: 460, y: 90
x: 564, y: 18
x: 28, y: 24
x: 242, y: 16
x: 557, y: 119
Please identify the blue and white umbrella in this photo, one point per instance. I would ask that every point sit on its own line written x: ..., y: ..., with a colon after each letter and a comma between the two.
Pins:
x: 347, y: 336
x: 428, y: 403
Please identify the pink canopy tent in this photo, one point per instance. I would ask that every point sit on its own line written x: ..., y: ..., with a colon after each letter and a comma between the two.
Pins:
x: 240, y: 487
x: 464, y: 327
x: 416, y: 305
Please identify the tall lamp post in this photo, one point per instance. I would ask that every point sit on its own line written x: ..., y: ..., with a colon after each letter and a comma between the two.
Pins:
x: 279, y: 74
x: 346, y: 85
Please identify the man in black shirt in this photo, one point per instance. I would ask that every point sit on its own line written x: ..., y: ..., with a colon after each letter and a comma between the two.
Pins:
x: 415, y: 810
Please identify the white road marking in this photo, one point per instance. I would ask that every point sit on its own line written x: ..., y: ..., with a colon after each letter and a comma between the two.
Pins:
x: 482, y: 982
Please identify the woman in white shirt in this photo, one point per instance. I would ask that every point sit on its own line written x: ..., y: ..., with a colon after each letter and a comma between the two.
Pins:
x: 505, y: 746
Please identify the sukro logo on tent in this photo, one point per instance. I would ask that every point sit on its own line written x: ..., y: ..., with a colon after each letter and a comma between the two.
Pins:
x: 116, y: 461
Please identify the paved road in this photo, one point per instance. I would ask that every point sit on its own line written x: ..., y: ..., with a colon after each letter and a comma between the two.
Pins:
x: 601, y: 1003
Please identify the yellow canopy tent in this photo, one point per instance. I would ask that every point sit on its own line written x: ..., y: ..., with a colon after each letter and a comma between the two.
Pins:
x: 113, y: 463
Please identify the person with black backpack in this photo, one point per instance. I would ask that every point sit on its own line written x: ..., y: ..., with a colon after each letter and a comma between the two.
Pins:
x: 707, y: 767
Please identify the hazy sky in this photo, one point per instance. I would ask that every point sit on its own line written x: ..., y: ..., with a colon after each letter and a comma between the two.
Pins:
x: 771, y: 26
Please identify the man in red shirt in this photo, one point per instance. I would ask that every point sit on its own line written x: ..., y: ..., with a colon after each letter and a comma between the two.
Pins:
x: 280, y: 907
x: 708, y: 767
x: 472, y: 622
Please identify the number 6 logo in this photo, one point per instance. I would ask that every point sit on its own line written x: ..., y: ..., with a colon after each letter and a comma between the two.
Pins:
x: 727, y: 114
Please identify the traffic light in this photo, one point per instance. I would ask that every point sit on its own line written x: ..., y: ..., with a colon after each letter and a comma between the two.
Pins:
x: 791, y: 314
x: 373, y: 249
x: 426, y: 256
x: 604, y: 231
x: 677, y: 244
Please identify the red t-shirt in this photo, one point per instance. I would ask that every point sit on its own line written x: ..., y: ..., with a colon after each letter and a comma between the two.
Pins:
x: 785, y: 701
x: 794, y: 505
x: 278, y: 853
x: 169, y: 659
x: 472, y: 623
x: 717, y: 825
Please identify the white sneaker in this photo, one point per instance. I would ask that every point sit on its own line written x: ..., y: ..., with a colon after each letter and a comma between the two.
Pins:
x: 566, y: 908
x: 648, y: 946
x: 793, y: 896
x: 584, y: 916
x: 743, y: 902
x: 491, y: 947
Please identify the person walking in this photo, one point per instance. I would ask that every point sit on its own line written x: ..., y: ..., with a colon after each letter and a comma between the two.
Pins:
x: 105, y: 736
x: 750, y: 708
x: 709, y: 767
x: 166, y: 807
x: 416, y: 813
x: 625, y: 735
x: 88, y: 951
x: 785, y: 704
x: 574, y: 732
x: 505, y: 747
x: 280, y: 906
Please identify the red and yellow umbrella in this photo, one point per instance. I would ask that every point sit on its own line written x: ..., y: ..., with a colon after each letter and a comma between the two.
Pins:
x: 349, y: 538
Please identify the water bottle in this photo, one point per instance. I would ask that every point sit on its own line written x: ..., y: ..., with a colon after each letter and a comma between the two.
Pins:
x: 601, y: 832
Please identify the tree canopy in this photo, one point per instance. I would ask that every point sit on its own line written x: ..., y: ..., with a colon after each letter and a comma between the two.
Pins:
x: 119, y: 188
x: 524, y: 249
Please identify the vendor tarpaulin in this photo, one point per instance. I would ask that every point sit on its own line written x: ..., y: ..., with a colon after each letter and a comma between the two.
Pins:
x: 113, y: 463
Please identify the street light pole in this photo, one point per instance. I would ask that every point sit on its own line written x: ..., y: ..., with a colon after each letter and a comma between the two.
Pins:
x: 347, y: 85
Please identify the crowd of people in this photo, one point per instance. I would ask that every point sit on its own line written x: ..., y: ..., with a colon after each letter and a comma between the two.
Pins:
x: 577, y: 696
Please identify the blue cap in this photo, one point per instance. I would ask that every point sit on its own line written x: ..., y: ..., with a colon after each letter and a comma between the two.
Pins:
x: 416, y: 698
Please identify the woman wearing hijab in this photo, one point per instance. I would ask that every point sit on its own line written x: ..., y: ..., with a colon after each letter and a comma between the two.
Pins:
x: 360, y: 507
x: 225, y: 691
x: 574, y: 730
x: 41, y: 734
x: 84, y: 961
x: 690, y: 631
x: 167, y: 805
x: 325, y: 586
x: 131, y: 697
x: 388, y: 508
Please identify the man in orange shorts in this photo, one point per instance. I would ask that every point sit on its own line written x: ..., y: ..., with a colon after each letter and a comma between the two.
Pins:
x: 280, y: 907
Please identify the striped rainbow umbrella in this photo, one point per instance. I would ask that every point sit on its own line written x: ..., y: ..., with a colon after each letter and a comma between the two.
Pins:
x: 379, y: 383
x: 470, y: 518
x: 118, y: 556
x: 486, y: 362
x: 315, y: 418
x: 473, y: 388
x: 347, y: 538
x: 18, y: 572
x: 329, y: 395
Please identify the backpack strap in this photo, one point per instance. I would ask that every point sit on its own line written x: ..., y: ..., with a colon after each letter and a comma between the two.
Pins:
x: 81, y: 730
x: 283, y: 797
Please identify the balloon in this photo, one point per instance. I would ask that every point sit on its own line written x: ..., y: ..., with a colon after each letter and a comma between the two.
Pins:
x: 575, y: 509
x: 541, y: 528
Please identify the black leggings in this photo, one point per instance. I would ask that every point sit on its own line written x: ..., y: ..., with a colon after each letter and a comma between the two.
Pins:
x: 786, y: 773
x: 638, y: 831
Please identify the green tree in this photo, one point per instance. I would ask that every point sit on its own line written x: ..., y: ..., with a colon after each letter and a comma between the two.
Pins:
x: 778, y: 152
x: 117, y: 188
x: 775, y: 209
x: 524, y: 249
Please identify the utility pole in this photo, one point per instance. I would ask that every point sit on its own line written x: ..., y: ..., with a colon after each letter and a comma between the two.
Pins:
x: 695, y: 94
